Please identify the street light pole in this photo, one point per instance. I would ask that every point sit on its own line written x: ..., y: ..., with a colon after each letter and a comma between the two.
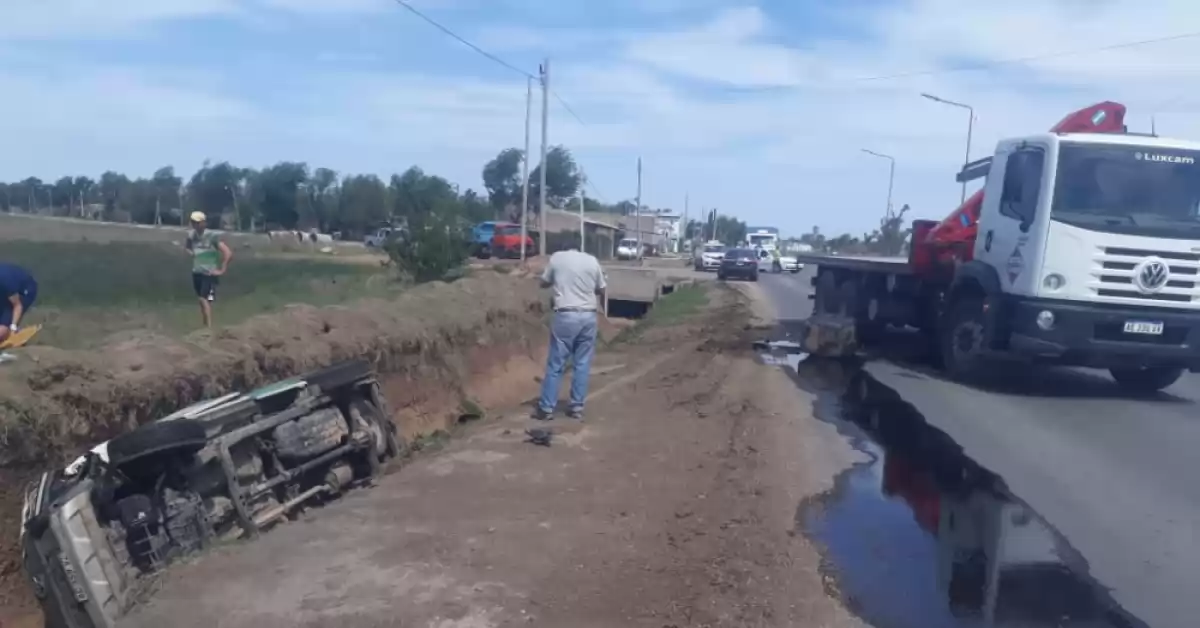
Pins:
x: 970, y: 130
x: 891, y: 177
x: 525, y: 167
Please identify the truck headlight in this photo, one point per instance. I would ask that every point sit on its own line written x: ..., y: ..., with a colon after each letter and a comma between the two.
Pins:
x: 1045, y: 320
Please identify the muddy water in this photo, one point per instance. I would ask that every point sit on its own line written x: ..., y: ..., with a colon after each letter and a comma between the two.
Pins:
x: 921, y: 536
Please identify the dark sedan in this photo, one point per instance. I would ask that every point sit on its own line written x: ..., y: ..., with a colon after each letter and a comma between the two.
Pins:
x: 739, y: 263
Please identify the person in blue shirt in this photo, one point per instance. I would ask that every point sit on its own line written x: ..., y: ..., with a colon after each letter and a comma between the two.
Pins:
x: 18, y: 291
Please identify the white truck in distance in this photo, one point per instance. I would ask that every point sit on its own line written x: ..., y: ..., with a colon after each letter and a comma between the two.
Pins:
x: 765, y: 240
x: 1087, y: 254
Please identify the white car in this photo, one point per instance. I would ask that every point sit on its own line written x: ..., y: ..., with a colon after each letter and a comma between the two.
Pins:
x: 628, y: 249
x: 787, y: 263
x: 708, y: 257
x: 768, y: 262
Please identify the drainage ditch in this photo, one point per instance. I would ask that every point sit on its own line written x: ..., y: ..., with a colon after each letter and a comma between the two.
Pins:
x: 921, y: 536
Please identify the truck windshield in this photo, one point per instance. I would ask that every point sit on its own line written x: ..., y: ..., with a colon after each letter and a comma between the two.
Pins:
x: 1137, y: 190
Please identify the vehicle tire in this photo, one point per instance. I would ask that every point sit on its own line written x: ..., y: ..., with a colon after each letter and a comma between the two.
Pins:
x: 311, y: 435
x: 338, y: 375
x: 826, y: 298
x: 754, y: 277
x: 1145, y: 381
x: 387, y: 444
x: 851, y: 306
x: 720, y: 276
x: 961, y: 340
x: 183, y: 436
x: 484, y: 252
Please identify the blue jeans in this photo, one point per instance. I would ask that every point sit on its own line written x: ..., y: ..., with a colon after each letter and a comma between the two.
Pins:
x: 573, y: 337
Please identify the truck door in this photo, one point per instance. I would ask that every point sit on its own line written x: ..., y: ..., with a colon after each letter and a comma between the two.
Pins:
x: 1010, y: 228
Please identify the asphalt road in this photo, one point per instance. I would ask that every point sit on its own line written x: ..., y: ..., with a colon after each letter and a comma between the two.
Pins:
x: 1114, y: 475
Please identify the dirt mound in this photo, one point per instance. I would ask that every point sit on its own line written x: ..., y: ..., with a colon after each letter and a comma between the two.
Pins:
x: 58, y: 402
x: 435, y: 347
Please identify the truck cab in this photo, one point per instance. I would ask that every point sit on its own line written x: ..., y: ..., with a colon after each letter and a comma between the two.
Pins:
x: 1087, y: 253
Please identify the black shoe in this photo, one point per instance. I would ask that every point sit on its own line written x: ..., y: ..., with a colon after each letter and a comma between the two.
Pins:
x: 575, y: 413
x: 539, y: 414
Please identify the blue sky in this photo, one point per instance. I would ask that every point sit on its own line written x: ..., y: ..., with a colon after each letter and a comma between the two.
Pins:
x: 756, y: 108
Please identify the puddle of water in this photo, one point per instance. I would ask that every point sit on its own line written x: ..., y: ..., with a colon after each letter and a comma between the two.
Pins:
x: 921, y: 536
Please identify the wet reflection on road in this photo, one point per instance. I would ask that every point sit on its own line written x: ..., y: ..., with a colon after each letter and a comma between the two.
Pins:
x: 922, y: 536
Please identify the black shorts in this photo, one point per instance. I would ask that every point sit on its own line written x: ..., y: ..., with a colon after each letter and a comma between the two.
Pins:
x: 205, y: 286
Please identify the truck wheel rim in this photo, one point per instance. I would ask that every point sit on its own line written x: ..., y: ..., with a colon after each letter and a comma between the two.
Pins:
x: 968, y: 337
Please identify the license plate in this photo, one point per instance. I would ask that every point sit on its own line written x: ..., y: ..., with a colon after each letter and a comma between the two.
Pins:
x: 1143, y: 327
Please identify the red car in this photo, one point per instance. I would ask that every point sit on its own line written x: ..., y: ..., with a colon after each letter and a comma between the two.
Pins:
x: 506, y: 242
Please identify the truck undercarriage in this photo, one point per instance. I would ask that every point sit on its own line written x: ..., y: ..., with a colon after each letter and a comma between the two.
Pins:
x: 99, y: 533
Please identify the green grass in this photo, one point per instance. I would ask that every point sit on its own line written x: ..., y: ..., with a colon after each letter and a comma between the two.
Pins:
x: 88, y: 290
x: 672, y: 309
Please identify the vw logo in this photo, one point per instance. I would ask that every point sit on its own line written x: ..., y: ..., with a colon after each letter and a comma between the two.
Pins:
x: 1151, y: 275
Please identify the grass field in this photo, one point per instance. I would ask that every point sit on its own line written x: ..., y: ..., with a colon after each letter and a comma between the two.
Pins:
x: 88, y: 290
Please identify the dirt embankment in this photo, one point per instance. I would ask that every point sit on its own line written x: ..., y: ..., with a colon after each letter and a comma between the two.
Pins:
x: 435, y: 347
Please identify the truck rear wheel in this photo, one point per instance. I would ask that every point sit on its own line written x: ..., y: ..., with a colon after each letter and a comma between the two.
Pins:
x: 1147, y: 380
x: 961, y: 340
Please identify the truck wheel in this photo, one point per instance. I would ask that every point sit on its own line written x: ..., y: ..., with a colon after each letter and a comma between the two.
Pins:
x: 387, y: 444
x: 852, y: 306
x: 1145, y: 381
x: 961, y: 341
x: 484, y: 252
x: 826, y: 295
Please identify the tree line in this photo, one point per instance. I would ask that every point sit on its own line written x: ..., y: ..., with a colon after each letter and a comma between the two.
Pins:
x: 890, y: 238
x: 293, y: 195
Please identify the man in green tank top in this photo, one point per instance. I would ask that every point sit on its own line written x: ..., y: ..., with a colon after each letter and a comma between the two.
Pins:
x: 210, y: 260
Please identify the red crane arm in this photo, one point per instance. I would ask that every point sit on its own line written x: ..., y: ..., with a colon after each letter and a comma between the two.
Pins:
x: 954, y: 237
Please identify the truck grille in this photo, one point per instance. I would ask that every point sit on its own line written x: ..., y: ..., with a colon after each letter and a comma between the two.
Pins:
x: 1113, y: 275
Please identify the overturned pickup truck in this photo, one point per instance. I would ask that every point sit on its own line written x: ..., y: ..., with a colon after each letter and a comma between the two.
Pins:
x: 97, y: 534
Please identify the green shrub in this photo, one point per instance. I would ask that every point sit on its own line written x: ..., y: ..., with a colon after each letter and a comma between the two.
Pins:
x: 431, y: 250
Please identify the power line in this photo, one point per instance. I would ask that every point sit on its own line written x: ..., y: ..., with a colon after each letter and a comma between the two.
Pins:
x: 983, y: 65
x: 1039, y: 57
x: 495, y: 59
x: 568, y: 108
x: 463, y: 40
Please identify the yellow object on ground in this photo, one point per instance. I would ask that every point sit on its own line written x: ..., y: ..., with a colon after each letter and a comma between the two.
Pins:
x: 21, y: 338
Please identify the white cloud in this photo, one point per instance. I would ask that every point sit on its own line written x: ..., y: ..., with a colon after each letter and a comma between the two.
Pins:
x: 682, y: 96
x: 88, y: 19
x: 726, y: 49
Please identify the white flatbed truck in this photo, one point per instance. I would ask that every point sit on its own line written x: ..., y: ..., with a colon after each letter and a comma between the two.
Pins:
x: 1088, y: 254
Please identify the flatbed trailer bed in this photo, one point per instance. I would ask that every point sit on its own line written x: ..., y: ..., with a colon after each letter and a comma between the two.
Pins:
x: 877, y: 263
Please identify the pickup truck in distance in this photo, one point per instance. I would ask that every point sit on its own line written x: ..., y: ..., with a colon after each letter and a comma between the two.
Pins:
x: 98, y: 534
x: 1088, y: 254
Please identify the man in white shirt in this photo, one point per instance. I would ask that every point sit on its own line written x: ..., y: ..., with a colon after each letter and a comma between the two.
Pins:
x: 579, y: 285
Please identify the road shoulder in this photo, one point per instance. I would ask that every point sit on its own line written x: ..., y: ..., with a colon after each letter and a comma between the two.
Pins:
x: 674, y: 504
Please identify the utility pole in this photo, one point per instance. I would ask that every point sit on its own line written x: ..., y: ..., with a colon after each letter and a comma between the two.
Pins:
x: 525, y: 166
x: 891, y: 178
x: 637, y: 209
x: 582, y: 224
x: 545, y: 72
x: 683, y: 235
x: 970, y: 130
